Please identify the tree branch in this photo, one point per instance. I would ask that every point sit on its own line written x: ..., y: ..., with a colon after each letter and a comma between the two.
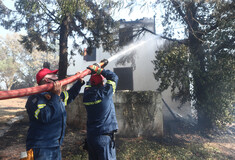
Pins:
x: 224, y: 45
x: 48, y: 13
x: 177, y: 7
x: 185, y: 41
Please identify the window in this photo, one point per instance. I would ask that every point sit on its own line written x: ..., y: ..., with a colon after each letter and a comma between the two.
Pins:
x: 92, y: 56
x: 125, y: 76
x: 125, y: 36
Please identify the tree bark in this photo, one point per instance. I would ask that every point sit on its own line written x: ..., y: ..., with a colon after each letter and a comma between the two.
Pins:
x: 199, y: 71
x: 63, y: 61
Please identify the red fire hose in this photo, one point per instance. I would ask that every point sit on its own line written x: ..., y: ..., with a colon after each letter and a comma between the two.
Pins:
x: 42, y: 88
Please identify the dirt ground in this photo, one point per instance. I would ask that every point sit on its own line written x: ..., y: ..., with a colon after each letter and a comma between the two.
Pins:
x: 10, y: 110
x: 14, y: 125
x: 10, y: 107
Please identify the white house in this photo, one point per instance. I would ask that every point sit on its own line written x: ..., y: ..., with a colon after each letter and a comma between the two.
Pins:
x: 136, y: 75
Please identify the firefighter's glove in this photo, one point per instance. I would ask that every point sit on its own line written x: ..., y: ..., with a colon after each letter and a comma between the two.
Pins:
x: 96, y: 64
x: 105, y: 62
x: 95, y: 69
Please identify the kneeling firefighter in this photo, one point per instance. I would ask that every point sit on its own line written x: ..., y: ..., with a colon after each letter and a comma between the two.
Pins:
x: 101, y: 117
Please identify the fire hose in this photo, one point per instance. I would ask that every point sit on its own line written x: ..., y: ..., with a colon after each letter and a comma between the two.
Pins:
x: 43, y: 88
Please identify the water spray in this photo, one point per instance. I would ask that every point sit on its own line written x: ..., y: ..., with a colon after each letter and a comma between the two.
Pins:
x: 130, y: 48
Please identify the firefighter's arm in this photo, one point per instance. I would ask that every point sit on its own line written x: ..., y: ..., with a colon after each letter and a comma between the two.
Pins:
x: 68, y: 96
x: 112, y: 80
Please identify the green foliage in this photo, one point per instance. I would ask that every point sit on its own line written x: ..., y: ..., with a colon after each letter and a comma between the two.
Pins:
x: 201, y: 67
x: 220, y: 88
x: 172, y: 68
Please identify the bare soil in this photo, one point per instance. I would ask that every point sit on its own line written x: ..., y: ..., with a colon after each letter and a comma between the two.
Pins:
x: 13, y: 130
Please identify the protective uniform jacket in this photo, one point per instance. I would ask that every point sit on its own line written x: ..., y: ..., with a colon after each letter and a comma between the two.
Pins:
x: 47, y: 116
x: 101, y: 117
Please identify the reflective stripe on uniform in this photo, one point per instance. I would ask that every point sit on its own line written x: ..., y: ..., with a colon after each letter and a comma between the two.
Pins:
x: 113, y: 84
x: 91, y: 103
x: 99, y: 71
x: 40, y: 106
x: 66, y: 97
x: 87, y: 86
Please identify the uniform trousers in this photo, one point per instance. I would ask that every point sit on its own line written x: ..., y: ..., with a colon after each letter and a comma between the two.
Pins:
x: 101, y: 147
x: 47, y: 153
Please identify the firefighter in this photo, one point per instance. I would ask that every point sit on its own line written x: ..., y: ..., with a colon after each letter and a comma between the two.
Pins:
x: 47, y: 116
x: 101, y: 117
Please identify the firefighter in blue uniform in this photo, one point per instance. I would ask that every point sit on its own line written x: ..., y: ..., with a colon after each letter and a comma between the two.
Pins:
x: 47, y: 116
x: 101, y: 117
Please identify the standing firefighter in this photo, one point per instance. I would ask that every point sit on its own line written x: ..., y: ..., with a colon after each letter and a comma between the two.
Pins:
x: 47, y: 116
x: 101, y: 117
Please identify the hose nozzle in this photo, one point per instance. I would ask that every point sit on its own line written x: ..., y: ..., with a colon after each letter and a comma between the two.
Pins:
x: 103, y: 63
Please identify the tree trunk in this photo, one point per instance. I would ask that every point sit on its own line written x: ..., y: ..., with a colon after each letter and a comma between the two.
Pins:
x: 9, y: 83
x: 204, y: 122
x: 200, y: 86
x: 199, y: 71
x: 63, y: 61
